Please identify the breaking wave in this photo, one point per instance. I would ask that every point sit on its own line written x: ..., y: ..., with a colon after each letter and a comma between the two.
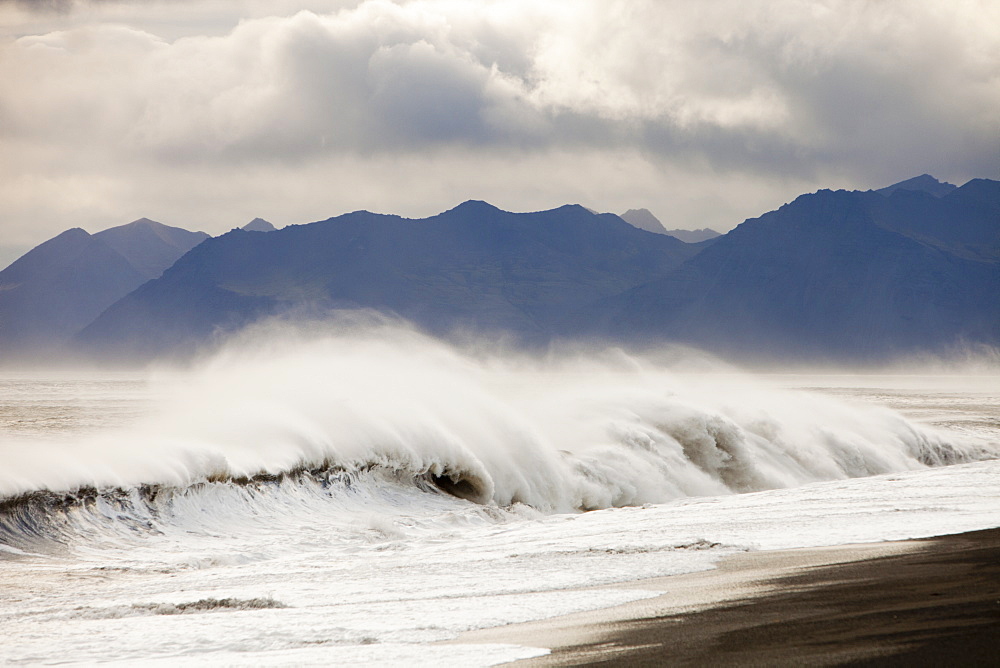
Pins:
x: 296, y: 418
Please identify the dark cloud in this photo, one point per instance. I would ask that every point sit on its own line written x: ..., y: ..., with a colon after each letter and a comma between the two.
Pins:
x: 44, y: 6
x: 62, y: 6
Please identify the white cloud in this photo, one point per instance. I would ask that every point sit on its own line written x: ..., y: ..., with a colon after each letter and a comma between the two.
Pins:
x: 718, y: 94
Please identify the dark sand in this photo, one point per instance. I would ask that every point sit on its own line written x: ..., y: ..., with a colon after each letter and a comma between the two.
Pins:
x: 930, y: 602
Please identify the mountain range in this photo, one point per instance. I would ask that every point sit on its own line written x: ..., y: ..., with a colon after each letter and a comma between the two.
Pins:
x: 473, y: 267
x: 833, y: 275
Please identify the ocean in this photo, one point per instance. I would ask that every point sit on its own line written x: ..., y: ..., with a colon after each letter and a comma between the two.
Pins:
x: 317, y: 497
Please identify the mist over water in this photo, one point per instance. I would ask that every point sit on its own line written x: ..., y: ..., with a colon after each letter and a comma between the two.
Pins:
x: 562, y: 431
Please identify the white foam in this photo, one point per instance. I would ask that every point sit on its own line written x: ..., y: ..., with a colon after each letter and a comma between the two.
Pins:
x: 351, y: 599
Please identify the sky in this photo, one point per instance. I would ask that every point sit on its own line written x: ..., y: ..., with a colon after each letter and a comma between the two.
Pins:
x: 205, y: 115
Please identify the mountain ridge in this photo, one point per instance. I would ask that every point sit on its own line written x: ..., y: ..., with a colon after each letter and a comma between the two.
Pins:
x: 473, y: 265
x: 923, y: 183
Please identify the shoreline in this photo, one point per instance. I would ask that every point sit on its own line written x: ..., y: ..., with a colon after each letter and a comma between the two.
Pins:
x: 929, y: 601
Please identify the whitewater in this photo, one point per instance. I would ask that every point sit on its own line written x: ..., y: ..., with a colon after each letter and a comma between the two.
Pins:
x: 361, y: 492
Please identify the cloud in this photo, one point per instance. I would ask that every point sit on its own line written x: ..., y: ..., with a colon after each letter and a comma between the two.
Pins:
x: 863, y: 92
x: 827, y: 78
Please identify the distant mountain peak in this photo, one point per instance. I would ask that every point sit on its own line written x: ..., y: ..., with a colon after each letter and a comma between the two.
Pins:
x: 150, y: 247
x: 923, y: 183
x: 473, y: 206
x: 73, y: 233
x: 259, y: 225
x: 142, y: 223
x: 568, y: 208
x: 644, y: 220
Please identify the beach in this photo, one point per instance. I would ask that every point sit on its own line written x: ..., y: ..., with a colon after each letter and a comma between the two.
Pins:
x: 143, y: 558
x: 933, y: 602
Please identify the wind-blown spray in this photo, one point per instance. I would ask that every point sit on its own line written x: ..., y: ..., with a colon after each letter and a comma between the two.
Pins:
x: 577, y: 430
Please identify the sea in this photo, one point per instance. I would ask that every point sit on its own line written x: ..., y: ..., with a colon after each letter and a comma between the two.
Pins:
x: 359, y: 496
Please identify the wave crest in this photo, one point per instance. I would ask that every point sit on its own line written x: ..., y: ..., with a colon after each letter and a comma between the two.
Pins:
x: 560, y: 433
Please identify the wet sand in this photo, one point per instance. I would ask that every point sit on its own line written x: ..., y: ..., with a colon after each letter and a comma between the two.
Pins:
x: 929, y: 602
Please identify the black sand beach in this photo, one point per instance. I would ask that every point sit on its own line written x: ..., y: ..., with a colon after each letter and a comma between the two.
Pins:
x: 929, y: 602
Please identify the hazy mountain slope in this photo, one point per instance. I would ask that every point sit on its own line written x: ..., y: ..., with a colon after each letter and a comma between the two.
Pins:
x: 694, y: 236
x: 474, y: 266
x: 824, y: 276
x: 149, y: 246
x: 56, y: 288
x: 644, y: 220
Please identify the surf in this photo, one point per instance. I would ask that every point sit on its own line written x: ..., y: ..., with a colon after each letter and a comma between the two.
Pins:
x: 321, y: 412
